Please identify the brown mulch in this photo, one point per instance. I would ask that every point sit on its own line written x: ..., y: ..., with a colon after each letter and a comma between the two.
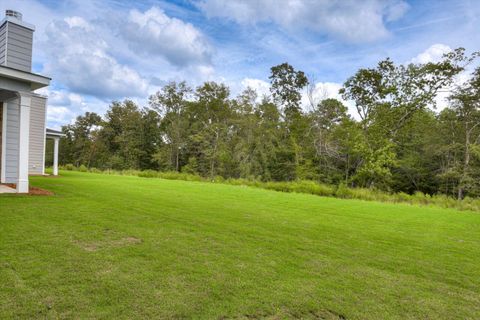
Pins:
x: 39, y: 192
x: 33, y: 191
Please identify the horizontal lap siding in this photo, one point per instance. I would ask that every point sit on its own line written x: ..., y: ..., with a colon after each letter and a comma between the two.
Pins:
x: 18, y: 48
x: 37, y: 135
x: 3, y: 31
x: 21, y: 33
x: 12, y: 138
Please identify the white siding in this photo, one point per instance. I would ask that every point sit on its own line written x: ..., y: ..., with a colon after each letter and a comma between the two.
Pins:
x: 12, y: 136
x: 37, y: 135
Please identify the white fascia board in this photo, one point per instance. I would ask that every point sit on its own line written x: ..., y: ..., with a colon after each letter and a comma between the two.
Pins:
x: 17, y: 22
x: 36, y: 81
x: 54, y: 135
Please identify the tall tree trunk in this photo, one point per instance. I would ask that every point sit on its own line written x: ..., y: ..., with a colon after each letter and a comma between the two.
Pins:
x: 214, y: 154
x: 176, y: 160
x: 347, y: 167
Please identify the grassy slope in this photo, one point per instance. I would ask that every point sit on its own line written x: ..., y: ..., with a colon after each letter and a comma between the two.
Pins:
x: 218, y: 251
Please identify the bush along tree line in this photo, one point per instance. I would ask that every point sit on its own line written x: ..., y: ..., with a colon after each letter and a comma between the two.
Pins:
x: 396, y: 143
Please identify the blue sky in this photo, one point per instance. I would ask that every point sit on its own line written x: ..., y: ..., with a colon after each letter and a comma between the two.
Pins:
x: 99, y: 51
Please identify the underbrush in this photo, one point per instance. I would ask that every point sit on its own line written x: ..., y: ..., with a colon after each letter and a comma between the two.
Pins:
x: 305, y: 186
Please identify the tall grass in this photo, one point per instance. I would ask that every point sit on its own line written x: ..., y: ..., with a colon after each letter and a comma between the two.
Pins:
x: 305, y: 186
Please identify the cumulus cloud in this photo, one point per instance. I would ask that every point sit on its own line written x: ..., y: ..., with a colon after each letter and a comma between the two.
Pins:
x: 64, y: 106
x: 59, y: 116
x: 327, y: 90
x: 78, y: 22
x: 79, y: 59
x: 160, y: 35
x: 394, y: 10
x: 355, y: 21
x: 261, y: 87
x: 319, y: 92
x: 433, y: 54
x: 95, y: 58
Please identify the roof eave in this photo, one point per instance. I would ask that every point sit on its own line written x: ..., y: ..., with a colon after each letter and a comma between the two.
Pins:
x: 36, y: 81
x: 54, y: 135
x: 17, y: 22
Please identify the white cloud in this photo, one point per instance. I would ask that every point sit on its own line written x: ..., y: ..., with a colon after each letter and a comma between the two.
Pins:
x: 58, y: 116
x: 160, y: 35
x: 64, y: 98
x: 327, y: 90
x: 202, y: 73
x: 321, y: 91
x: 79, y: 59
x: 78, y: 22
x: 395, y: 10
x: 433, y: 54
x: 64, y: 106
x: 261, y: 87
x: 355, y: 21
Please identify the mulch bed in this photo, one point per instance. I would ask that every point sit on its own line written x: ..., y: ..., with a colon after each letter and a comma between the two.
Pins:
x: 33, y: 191
x: 39, y: 192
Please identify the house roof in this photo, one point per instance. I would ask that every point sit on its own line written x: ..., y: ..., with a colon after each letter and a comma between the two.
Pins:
x: 17, y: 22
x: 36, y: 81
x: 54, y: 133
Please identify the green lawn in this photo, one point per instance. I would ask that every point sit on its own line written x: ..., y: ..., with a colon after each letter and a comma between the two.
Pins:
x: 121, y: 247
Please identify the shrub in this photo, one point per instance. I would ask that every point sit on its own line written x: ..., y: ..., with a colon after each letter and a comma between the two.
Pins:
x: 95, y: 170
x: 69, y: 167
x: 343, y: 192
x: 402, y: 197
x: 218, y: 179
x: 82, y: 168
x: 305, y: 186
x: 148, y: 174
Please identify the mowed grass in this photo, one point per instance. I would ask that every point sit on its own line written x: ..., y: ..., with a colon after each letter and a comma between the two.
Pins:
x: 116, y: 247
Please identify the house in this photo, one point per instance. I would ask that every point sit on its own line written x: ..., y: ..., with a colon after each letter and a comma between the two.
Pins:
x: 23, y: 131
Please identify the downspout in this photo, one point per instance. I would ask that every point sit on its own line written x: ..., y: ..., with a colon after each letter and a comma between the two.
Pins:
x: 3, y: 172
x: 44, y: 137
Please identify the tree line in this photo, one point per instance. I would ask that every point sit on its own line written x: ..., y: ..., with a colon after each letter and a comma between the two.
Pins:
x: 396, y: 142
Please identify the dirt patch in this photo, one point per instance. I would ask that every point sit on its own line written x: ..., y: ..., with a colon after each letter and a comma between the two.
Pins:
x: 34, y: 191
x: 323, y: 314
x: 108, y: 243
x: 126, y: 241
x: 90, y: 247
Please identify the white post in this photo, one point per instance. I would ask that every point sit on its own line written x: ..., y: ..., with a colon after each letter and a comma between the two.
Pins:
x: 55, y: 156
x: 23, y: 141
